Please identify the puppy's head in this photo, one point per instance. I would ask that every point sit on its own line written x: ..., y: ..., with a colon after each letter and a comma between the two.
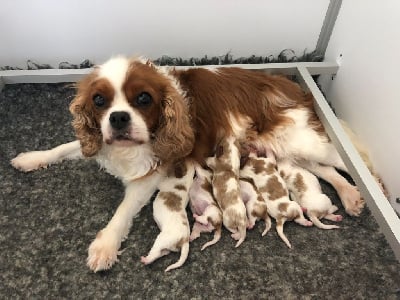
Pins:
x: 131, y: 102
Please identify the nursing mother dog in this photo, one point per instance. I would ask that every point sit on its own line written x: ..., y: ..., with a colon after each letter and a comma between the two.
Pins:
x: 139, y: 120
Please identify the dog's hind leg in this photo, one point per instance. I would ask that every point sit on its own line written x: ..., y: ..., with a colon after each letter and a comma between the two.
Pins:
x: 33, y: 160
x: 160, y: 248
x: 319, y: 224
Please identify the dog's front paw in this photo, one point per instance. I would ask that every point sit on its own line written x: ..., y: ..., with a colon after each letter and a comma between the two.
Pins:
x: 352, y: 201
x: 103, y: 252
x: 29, y: 161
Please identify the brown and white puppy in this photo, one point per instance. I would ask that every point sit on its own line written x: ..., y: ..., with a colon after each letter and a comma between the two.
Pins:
x: 134, y: 118
x: 225, y: 165
x: 274, y: 191
x: 206, y: 212
x: 256, y: 207
x: 169, y: 210
x: 305, y: 189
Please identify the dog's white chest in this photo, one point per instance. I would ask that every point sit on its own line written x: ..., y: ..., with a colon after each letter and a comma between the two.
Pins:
x: 127, y: 163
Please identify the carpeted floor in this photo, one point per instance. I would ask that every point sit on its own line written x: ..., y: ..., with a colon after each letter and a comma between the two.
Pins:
x: 49, y: 217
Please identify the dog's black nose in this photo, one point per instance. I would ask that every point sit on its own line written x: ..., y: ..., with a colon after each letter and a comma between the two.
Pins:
x: 119, y: 119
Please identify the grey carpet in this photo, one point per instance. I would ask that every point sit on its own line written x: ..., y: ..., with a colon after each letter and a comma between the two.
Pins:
x: 49, y: 217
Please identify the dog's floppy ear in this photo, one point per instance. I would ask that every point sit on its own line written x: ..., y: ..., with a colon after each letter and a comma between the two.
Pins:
x: 86, y: 128
x: 174, y: 137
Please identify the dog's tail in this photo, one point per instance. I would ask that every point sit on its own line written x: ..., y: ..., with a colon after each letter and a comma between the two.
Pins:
x: 242, y: 234
x: 182, y: 258
x: 267, y: 221
x: 279, y: 230
x: 319, y: 224
x: 217, y: 237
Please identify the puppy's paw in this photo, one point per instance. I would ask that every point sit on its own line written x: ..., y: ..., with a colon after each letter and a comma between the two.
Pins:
x: 30, y: 161
x: 307, y: 223
x: 144, y: 260
x: 103, y: 252
x: 194, y: 235
x: 235, y: 235
x: 251, y: 224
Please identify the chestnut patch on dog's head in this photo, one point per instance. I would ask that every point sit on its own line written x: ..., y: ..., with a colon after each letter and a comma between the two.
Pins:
x: 94, y: 96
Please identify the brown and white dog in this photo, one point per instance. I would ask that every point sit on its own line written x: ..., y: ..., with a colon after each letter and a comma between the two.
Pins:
x: 305, y: 189
x: 169, y: 210
x: 225, y: 182
x: 206, y: 212
x: 135, y: 118
x: 274, y: 191
x: 256, y: 207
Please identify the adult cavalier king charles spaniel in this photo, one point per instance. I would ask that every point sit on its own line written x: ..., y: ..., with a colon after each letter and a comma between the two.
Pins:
x: 140, y: 121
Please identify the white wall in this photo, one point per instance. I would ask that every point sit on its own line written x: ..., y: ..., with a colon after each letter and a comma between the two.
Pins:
x: 49, y: 31
x: 366, y: 90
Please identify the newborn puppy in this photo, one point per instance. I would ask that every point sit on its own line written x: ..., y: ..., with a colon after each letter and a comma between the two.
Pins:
x: 169, y: 210
x: 206, y: 212
x: 225, y: 165
x: 274, y: 191
x: 306, y: 190
x: 256, y: 207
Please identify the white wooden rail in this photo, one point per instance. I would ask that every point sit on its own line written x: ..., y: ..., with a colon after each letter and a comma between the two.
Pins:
x: 380, y: 207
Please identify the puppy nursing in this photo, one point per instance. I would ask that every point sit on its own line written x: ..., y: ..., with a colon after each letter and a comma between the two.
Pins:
x: 206, y: 212
x: 274, y: 191
x: 135, y: 118
x: 306, y: 190
x: 225, y: 165
x: 169, y: 210
x: 256, y: 207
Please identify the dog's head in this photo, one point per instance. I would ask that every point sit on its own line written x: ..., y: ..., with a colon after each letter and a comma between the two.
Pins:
x: 131, y: 102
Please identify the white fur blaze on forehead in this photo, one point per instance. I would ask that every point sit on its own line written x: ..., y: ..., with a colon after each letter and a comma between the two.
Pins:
x: 115, y: 71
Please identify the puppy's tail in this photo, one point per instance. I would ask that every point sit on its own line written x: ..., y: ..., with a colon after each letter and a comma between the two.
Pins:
x: 279, y: 230
x: 217, y: 237
x: 267, y: 221
x: 242, y: 235
x: 182, y: 258
x: 319, y: 224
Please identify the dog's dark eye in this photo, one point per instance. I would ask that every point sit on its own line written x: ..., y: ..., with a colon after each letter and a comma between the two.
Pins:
x: 143, y: 99
x: 99, y: 100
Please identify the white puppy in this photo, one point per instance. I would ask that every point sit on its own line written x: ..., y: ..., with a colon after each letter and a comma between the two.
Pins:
x: 206, y: 212
x: 274, y: 191
x: 306, y: 190
x: 169, y: 209
x: 225, y: 165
